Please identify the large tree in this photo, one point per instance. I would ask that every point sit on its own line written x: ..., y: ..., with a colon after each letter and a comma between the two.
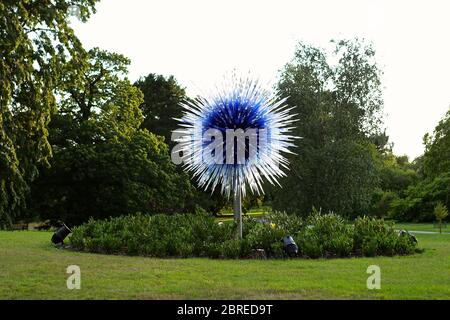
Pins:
x: 162, y: 98
x: 35, y: 42
x: 437, y: 148
x: 338, y: 108
x: 104, y: 164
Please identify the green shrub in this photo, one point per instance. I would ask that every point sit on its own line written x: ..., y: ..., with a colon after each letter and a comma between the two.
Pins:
x: 290, y: 224
x: 266, y: 236
x: 325, y: 235
x: 377, y: 237
x: 199, y: 235
x: 417, y: 203
x: 404, y: 245
x: 231, y: 249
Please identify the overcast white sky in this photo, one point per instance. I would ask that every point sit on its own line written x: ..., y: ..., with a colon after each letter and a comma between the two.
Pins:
x: 198, y: 41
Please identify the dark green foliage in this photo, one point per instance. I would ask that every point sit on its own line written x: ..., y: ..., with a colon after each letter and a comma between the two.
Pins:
x: 110, y: 179
x: 382, y: 203
x: 419, y: 200
x: 35, y: 42
x: 375, y: 237
x: 321, y: 235
x: 210, y: 202
x: 159, y: 235
x: 162, y: 98
x: 437, y: 149
x: 325, y: 235
x: 161, y: 104
x: 104, y: 164
x: 338, y: 110
x: 267, y: 237
x: 396, y: 174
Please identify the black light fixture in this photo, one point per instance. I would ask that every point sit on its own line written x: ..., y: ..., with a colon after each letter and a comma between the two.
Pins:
x: 60, y: 234
x: 290, y: 247
x: 403, y: 233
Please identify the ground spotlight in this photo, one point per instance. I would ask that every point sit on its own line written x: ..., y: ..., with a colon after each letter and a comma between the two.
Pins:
x: 60, y: 234
x: 403, y: 233
x: 289, y: 246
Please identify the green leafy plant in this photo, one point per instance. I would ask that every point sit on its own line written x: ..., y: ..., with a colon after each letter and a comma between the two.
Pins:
x: 325, y: 235
x: 440, y: 212
x: 373, y: 237
x: 199, y: 235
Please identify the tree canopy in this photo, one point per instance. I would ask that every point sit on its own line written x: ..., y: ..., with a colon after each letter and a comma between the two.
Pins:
x: 104, y: 164
x: 35, y: 42
x: 418, y: 200
x: 338, y: 108
x: 162, y: 98
x: 437, y: 148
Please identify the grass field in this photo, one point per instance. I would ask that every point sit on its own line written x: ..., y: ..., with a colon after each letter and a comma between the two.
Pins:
x: 423, y: 227
x: 31, y: 268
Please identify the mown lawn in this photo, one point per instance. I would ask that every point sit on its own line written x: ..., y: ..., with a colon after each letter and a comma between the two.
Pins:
x: 31, y: 268
x: 423, y: 227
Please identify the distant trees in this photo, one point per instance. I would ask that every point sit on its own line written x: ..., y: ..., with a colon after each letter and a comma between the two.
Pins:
x: 344, y: 161
x: 396, y: 174
x: 338, y: 110
x: 104, y: 164
x: 35, y: 42
x: 418, y: 200
x: 437, y: 149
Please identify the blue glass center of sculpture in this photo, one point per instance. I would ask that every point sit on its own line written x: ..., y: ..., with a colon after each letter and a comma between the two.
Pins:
x: 235, y: 114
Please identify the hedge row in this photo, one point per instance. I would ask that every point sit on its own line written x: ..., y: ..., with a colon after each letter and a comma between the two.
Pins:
x: 319, y: 235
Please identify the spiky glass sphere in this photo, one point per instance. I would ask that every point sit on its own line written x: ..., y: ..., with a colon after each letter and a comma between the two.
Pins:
x: 240, y: 103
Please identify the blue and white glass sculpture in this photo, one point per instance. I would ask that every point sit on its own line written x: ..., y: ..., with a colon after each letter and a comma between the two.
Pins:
x: 234, y: 137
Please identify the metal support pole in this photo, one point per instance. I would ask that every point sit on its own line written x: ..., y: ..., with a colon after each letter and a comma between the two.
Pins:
x: 237, y: 207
